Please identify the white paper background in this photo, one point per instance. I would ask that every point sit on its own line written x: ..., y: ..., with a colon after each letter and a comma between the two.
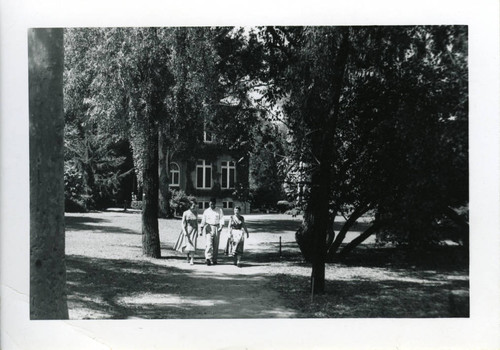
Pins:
x: 481, y: 331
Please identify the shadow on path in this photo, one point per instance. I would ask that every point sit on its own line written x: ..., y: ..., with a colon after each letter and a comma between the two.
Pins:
x: 273, y: 226
x: 96, y: 225
x: 117, y: 289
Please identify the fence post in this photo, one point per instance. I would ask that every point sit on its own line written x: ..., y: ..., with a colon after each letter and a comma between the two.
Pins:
x: 312, y: 289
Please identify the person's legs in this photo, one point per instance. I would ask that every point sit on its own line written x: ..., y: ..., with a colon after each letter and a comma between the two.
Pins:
x: 192, y: 246
x: 228, y: 246
x: 215, y: 252
x: 239, y: 251
x: 209, y: 244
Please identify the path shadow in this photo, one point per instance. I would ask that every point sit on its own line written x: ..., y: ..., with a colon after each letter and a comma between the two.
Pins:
x: 282, y: 225
x: 269, y: 252
x: 119, y: 289
x: 173, y: 257
x: 75, y: 220
x: 439, y: 258
x: 96, y: 225
x: 273, y: 226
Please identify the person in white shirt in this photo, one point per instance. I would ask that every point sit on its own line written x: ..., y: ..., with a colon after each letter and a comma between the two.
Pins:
x: 212, y: 223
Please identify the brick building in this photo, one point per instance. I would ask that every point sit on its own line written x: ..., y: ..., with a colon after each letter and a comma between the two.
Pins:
x: 212, y: 171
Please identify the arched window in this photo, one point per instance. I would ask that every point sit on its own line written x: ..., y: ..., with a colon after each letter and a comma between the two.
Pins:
x: 175, y: 175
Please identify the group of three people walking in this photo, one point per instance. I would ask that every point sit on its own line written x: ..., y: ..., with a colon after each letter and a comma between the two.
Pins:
x: 211, y: 226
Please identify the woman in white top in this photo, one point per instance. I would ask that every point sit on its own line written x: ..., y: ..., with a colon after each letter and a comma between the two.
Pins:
x: 186, y: 242
x: 237, y: 228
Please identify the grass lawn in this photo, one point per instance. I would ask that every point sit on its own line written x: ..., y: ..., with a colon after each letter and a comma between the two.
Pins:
x: 108, y: 278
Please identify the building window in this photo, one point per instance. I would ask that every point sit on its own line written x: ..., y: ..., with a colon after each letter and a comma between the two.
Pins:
x: 227, y: 205
x: 203, y: 205
x: 203, y: 174
x: 208, y: 137
x: 175, y: 175
x: 228, y: 174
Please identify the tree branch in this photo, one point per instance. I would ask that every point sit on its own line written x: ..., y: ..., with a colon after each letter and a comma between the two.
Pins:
x: 358, y: 240
x: 277, y: 39
x: 355, y: 215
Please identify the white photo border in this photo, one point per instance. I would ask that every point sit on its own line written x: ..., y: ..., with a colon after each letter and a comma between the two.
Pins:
x: 481, y: 330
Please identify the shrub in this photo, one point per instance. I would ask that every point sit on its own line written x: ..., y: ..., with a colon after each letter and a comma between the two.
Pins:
x: 295, y: 211
x: 136, y: 205
x: 264, y: 198
x: 283, y: 206
x: 74, y: 206
x: 179, y: 201
x: 74, y: 197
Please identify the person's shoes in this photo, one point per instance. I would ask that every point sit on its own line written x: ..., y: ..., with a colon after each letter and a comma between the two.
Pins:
x: 191, y: 262
x: 209, y: 262
x: 238, y: 264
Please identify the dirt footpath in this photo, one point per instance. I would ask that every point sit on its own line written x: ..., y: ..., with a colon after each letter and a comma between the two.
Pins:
x: 222, y: 291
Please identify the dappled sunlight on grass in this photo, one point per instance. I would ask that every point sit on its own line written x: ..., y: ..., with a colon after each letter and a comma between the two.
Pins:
x: 109, y: 278
x: 383, y: 294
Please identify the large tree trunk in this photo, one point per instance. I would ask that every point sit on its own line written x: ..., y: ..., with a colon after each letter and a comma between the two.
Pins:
x: 322, y: 145
x: 319, y: 202
x: 150, y: 232
x: 47, y: 256
x: 330, y: 236
x: 164, y: 195
x: 304, y: 233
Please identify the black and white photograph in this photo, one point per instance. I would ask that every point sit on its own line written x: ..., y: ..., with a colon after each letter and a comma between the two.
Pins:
x: 202, y: 181
x: 343, y: 149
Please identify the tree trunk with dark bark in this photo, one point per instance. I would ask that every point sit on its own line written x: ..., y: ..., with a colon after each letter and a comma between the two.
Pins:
x: 322, y: 145
x: 330, y: 236
x: 46, y: 121
x: 303, y: 235
x: 319, y: 202
x: 150, y: 232
x: 164, y: 194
